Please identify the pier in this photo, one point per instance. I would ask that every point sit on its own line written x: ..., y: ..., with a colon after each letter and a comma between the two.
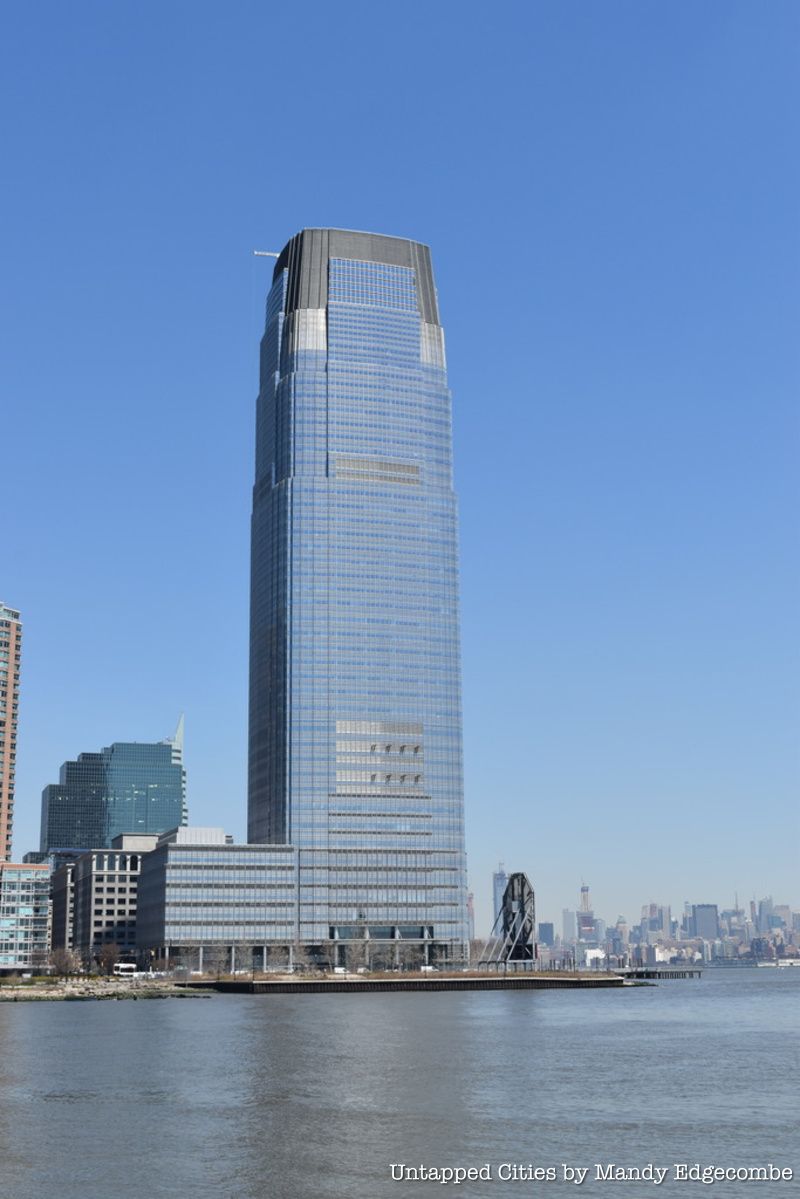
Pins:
x: 444, y: 982
x: 657, y: 972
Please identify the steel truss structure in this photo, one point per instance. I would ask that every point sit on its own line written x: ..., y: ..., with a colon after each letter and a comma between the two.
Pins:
x: 513, y: 937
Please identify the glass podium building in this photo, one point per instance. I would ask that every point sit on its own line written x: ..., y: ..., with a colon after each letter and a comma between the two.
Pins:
x: 355, y: 696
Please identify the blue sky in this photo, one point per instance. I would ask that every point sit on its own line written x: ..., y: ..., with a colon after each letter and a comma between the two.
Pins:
x: 611, y: 194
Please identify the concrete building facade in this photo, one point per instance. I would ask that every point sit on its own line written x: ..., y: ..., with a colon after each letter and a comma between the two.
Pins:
x: 95, y: 898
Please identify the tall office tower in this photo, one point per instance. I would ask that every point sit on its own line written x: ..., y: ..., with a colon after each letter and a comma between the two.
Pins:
x: 129, y: 787
x: 499, y: 884
x: 765, y: 911
x: 547, y: 934
x: 355, y: 693
x: 586, y: 923
x: 10, y: 650
x: 705, y: 921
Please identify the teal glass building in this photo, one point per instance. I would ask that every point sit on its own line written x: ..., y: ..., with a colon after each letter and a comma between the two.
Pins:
x: 355, y: 753
x: 128, y: 787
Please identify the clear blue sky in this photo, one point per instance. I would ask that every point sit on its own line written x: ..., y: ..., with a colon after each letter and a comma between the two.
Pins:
x: 611, y: 195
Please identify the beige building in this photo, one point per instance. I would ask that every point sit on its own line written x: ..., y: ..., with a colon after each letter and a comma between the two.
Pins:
x: 95, y: 897
x: 10, y: 648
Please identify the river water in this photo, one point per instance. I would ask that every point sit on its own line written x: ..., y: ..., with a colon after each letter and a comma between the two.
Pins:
x: 316, y: 1096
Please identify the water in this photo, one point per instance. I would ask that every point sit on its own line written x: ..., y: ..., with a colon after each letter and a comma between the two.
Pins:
x: 305, y: 1097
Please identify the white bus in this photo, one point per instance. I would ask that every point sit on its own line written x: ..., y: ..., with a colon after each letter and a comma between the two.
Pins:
x: 124, y: 969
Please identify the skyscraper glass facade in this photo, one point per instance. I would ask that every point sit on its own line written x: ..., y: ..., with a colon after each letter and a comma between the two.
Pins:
x: 129, y: 787
x: 355, y: 700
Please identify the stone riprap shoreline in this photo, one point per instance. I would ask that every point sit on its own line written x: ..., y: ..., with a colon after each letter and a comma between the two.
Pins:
x: 94, y: 988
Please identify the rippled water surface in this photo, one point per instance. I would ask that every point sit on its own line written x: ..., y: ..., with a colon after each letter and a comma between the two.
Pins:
x: 315, y: 1096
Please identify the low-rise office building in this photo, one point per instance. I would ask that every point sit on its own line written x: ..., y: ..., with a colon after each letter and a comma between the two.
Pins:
x: 199, y: 892
x: 24, y: 916
x: 95, y: 898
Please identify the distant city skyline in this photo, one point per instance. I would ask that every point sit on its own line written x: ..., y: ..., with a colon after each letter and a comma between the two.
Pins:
x: 614, y: 223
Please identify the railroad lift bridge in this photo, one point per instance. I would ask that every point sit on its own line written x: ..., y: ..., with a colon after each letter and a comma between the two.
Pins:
x: 513, y: 937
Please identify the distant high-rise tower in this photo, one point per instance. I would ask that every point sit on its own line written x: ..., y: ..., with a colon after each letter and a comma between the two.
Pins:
x: 705, y: 921
x: 10, y: 650
x: 129, y: 787
x: 355, y: 692
x: 499, y: 884
x: 586, y: 923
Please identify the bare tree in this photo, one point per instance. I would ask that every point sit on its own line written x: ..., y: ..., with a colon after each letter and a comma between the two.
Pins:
x: 301, y: 958
x: 277, y: 957
x: 108, y: 956
x: 331, y: 951
x: 381, y: 955
x: 244, y: 958
x: 216, y: 959
x: 477, y: 949
x: 410, y: 955
x: 358, y: 954
x: 65, y: 962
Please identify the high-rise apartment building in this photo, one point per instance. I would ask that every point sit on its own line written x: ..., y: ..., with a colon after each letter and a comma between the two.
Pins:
x: 24, y: 901
x: 355, y: 695
x: 10, y: 652
x: 129, y: 787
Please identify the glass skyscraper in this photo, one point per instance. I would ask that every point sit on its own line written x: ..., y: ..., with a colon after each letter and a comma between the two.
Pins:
x: 129, y: 787
x: 355, y: 693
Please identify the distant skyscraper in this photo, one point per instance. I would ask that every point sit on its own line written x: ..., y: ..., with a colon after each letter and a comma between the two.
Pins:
x: 705, y: 921
x: 569, y: 926
x: 765, y: 911
x: 546, y: 934
x: 10, y: 650
x: 355, y: 693
x: 499, y: 884
x: 587, y: 926
x: 129, y: 787
x: 656, y: 923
